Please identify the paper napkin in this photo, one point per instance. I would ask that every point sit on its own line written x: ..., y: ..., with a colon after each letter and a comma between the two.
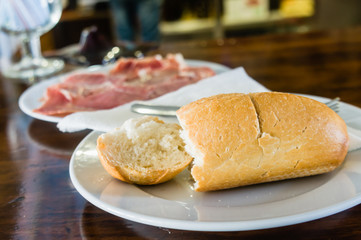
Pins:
x: 232, y: 81
x: 355, y: 138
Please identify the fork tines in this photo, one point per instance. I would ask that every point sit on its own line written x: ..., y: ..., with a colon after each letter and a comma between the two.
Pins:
x: 334, y: 104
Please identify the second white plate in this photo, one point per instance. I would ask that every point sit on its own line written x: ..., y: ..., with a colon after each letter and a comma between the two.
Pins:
x: 31, y: 98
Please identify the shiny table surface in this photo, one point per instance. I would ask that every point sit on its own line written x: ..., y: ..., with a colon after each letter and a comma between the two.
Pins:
x: 38, y: 200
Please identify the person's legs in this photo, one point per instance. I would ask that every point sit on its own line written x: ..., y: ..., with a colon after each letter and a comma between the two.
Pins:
x: 123, y: 14
x: 149, y: 12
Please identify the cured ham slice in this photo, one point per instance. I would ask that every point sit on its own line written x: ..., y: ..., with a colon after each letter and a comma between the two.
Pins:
x: 130, y: 79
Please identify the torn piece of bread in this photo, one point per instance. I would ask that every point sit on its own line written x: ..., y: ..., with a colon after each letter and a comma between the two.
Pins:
x: 143, y: 151
x: 240, y: 139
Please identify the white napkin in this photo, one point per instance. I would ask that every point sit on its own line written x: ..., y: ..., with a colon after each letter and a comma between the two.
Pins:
x: 235, y: 80
x: 355, y: 138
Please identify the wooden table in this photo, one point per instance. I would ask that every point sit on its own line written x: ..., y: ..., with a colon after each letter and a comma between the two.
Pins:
x: 38, y: 200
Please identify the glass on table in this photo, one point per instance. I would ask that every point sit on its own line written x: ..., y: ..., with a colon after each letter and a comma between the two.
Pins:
x: 25, y: 21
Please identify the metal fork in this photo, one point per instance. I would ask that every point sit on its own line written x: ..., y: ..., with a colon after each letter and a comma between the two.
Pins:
x: 334, y: 104
x: 170, y: 111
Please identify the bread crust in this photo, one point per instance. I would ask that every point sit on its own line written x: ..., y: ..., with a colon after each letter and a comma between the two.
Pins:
x: 261, y: 137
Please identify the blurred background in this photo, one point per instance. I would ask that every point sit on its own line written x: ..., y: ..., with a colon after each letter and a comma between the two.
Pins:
x: 181, y: 20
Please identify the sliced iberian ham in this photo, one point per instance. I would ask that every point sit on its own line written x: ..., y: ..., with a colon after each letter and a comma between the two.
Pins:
x: 130, y: 79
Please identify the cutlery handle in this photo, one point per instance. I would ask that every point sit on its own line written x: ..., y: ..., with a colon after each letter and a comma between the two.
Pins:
x: 158, y: 110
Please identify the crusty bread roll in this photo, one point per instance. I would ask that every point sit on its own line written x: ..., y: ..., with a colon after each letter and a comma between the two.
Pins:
x: 239, y: 139
x: 143, y: 151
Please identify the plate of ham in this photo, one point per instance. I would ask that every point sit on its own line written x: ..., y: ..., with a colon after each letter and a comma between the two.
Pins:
x: 106, y: 87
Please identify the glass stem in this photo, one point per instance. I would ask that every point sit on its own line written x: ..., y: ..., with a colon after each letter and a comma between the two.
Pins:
x: 31, y: 47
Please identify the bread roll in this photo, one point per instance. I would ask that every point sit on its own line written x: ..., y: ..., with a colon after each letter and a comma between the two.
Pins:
x: 239, y: 139
x: 143, y: 151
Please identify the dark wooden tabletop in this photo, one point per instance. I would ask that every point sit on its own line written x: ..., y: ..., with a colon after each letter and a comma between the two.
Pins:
x: 38, y: 200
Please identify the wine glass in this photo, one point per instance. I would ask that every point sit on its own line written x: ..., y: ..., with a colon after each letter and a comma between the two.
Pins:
x: 27, y: 20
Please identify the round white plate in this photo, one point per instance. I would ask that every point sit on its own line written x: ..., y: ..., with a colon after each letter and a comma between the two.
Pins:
x: 175, y: 205
x: 30, y: 99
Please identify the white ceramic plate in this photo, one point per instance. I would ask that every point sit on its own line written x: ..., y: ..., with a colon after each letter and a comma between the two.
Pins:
x: 175, y: 205
x: 30, y: 99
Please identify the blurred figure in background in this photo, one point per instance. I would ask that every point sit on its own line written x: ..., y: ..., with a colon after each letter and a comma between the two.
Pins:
x: 137, y: 20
